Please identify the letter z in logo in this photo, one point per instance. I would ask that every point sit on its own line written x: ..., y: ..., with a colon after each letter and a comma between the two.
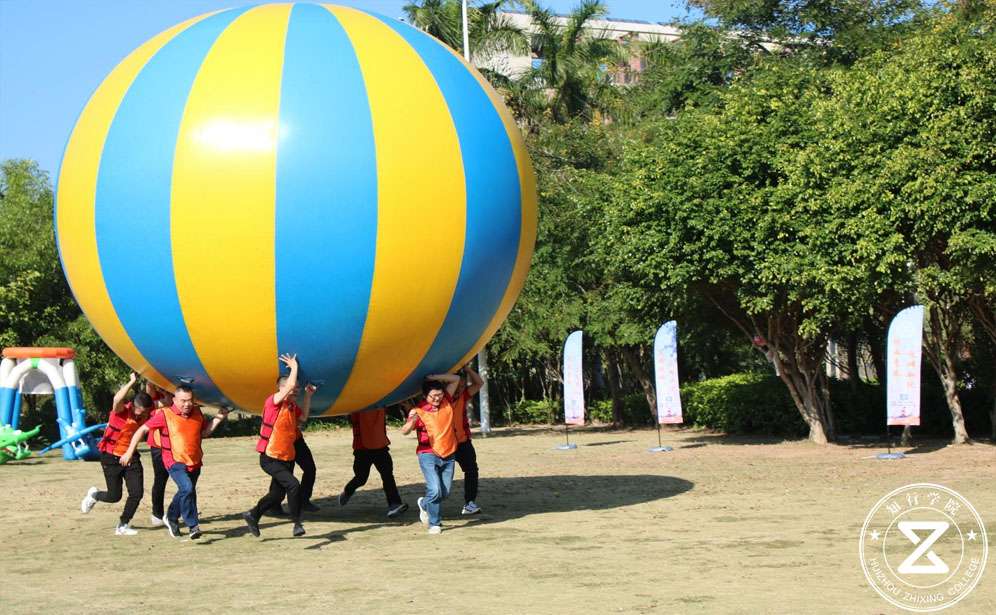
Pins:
x: 937, y: 565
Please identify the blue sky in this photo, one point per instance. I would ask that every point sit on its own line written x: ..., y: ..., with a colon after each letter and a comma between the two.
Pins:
x: 54, y: 53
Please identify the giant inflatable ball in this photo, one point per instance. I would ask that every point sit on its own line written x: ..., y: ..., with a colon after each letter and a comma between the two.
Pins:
x: 298, y: 178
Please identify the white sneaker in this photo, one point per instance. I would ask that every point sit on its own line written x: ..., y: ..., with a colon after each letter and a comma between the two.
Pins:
x: 423, y: 514
x: 435, y: 529
x: 156, y: 521
x: 125, y: 530
x: 470, y: 508
x: 88, y: 501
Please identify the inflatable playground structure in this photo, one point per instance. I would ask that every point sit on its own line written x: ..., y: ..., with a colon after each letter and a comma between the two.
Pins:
x: 43, y: 371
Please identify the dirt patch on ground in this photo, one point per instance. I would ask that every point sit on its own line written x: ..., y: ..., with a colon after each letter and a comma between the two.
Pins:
x: 719, y: 525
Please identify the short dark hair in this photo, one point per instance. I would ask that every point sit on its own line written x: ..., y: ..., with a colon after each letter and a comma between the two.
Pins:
x: 431, y: 385
x: 185, y: 388
x: 142, y: 400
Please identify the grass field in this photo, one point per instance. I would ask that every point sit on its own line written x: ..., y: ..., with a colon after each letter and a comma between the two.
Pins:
x: 720, y: 525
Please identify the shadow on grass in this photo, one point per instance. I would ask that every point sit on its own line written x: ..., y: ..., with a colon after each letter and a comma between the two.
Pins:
x: 506, y: 498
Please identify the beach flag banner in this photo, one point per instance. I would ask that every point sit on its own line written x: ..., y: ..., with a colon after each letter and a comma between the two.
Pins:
x: 904, y: 355
x: 573, y: 381
x: 666, y: 370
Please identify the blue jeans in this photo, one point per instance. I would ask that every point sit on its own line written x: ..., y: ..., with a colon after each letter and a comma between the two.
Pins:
x: 184, y: 503
x: 438, y: 474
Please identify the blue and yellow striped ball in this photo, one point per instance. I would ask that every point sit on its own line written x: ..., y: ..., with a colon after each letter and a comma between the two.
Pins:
x: 299, y: 178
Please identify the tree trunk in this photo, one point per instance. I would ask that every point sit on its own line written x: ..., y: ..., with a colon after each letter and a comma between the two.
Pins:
x: 907, y: 438
x: 612, y: 376
x: 941, y: 344
x: 484, y: 373
x: 806, y: 381
x: 877, y: 356
x: 635, y: 364
x: 853, y: 373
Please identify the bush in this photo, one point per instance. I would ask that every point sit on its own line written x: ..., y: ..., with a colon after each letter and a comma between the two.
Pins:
x: 749, y: 403
x: 634, y: 411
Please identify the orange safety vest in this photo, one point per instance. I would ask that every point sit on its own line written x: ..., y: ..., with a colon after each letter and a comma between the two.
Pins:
x: 459, y: 412
x: 185, y: 436
x: 277, y: 440
x: 439, y: 428
x: 121, y: 426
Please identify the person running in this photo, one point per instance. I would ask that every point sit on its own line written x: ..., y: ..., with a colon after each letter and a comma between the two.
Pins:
x: 278, y: 433
x: 181, y: 428
x: 432, y: 420
x: 466, y: 456
x: 372, y: 447
x: 123, y: 421
x: 306, y: 461
x: 162, y: 399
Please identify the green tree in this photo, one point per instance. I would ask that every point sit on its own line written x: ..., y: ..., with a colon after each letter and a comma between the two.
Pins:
x: 489, y: 31
x: 573, y: 65
x: 36, y: 306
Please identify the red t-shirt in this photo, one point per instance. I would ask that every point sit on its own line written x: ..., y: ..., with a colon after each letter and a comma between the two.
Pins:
x: 270, y: 410
x: 158, y: 423
x: 369, y: 430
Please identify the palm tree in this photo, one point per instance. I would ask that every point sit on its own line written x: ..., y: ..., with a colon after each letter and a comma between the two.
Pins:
x: 573, y: 63
x: 490, y: 32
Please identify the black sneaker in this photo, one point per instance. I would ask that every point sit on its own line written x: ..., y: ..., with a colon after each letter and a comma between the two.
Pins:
x: 195, y: 532
x: 251, y: 523
x: 173, y: 527
x: 298, y: 529
x: 397, y: 509
x: 343, y: 498
x: 310, y: 507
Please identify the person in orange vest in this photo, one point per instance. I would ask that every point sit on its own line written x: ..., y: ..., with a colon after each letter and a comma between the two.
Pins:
x: 181, y: 428
x: 279, y: 431
x: 122, y: 422
x: 372, y: 447
x: 162, y: 399
x: 432, y: 420
x: 466, y: 456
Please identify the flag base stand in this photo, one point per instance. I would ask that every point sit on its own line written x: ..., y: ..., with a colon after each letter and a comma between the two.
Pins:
x: 890, y: 456
x: 569, y: 446
x: 660, y: 448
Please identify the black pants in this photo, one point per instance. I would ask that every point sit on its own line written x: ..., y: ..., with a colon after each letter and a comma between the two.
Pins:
x: 282, y: 484
x: 466, y: 458
x: 381, y: 459
x: 305, y: 461
x: 160, y: 478
x: 114, y: 475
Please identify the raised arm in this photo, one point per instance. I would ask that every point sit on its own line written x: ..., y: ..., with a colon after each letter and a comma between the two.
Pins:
x: 290, y: 360
x: 410, y: 423
x: 452, y: 382
x: 218, y: 419
x: 135, y: 439
x: 309, y: 390
x: 475, y: 381
x: 118, y: 406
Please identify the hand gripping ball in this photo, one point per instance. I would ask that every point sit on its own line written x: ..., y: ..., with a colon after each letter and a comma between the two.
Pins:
x: 299, y: 178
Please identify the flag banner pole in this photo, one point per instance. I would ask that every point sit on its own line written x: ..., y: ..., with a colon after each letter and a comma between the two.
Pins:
x: 573, y: 387
x: 902, y: 378
x: 667, y: 384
